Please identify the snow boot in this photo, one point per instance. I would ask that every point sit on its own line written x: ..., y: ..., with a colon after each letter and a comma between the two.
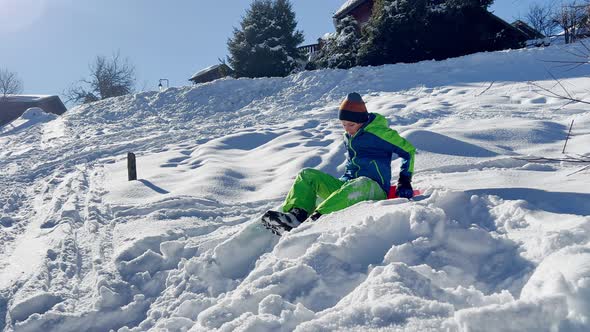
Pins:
x: 280, y: 222
x: 315, y: 216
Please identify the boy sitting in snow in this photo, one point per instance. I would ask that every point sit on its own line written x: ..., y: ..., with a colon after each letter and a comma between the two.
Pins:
x: 370, y: 144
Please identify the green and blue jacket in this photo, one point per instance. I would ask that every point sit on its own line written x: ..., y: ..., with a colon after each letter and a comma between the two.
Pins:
x: 371, y: 149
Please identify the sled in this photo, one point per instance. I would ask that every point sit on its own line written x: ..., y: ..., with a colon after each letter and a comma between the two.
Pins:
x: 392, y: 192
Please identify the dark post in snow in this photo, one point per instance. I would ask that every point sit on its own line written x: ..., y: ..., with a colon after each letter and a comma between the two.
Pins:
x: 131, y: 166
x: 568, y: 136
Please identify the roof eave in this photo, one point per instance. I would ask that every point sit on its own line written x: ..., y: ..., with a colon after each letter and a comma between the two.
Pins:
x: 342, y: 13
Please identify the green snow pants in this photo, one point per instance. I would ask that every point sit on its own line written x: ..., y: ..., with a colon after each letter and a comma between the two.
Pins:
x: 336, y: 194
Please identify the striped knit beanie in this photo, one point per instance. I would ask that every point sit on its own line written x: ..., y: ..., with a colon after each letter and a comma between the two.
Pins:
x: 353, y: 109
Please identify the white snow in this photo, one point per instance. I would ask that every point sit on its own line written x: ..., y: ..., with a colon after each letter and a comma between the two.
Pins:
x: 348, y: 5
x: 24, y: 98
x: 496, y: 243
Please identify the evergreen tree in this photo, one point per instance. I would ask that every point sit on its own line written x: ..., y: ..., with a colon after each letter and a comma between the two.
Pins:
x: 472, y: 28
x: 415, y: 30
x: 460, y: 4
x: 266, y: 44
x: 394, y: 32
x: 340, y: 50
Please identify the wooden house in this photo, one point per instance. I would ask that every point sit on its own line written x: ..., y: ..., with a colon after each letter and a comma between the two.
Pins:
x: 527, y: 30
x: 361, y: 10
x: 479, y: 20
x: 477, y: 30
x: 13, y: 106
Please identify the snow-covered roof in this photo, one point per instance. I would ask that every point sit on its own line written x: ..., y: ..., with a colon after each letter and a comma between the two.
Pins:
x: 348, y: 6
x: 208, y: 69
x: 24, y: 98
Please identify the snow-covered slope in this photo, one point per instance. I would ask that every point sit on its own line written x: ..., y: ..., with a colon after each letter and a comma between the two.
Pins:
x: 495, y: 244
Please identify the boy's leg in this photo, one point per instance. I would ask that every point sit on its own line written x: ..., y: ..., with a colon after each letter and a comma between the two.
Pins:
x: 309, y: 184
x: 352, y: 192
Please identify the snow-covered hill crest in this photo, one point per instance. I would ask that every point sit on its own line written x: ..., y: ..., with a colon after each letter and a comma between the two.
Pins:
x: 495, y: 243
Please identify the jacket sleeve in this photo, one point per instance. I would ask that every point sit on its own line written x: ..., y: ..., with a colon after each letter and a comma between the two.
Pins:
x: 403, y: 148
x: 346, y: 176
x: 348, y: 168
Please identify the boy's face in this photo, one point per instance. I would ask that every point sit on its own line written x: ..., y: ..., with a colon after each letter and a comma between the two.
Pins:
x: 351, y: 127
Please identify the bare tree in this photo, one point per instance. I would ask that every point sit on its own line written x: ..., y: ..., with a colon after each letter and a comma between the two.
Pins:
x: 541, y: 18
x: 558, y: 90
x: 9, y: 83
x: 108, y: 78
x: 572, y: 18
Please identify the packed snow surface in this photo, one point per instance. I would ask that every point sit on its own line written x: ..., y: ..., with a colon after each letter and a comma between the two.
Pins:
x: 495, y: 243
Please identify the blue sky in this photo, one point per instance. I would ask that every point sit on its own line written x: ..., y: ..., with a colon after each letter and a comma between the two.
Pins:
x: 50, y: 43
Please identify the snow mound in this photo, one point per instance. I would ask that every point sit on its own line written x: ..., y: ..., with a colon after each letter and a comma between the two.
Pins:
x: 33, y: 116
x: 37, y: 113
